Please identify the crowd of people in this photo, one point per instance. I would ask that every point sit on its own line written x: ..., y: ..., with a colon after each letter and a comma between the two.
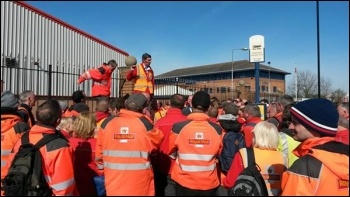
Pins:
x: 190, y: 145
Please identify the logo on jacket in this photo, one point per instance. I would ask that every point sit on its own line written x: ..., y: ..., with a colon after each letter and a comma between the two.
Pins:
x: 124, y: 135
x: 199, y: 140
x: 343, y: 184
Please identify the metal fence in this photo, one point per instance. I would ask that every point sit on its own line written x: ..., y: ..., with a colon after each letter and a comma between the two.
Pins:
x: 61, y: 83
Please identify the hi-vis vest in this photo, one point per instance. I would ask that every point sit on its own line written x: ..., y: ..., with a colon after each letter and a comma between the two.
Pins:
x: 271, y: 170
x: 144, y: 80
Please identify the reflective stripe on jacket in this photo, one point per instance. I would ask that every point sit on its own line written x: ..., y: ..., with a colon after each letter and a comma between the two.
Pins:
x: 144, y: 80
x: 272, y: 164
x: 11, y: 130
x: 58, y: 161
x: 128, y: 141
x: 321, y: 170
x: 196, y: 144
x: 102, y: 80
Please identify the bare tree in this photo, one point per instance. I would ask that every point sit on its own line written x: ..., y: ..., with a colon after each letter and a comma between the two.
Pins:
x: 308, y: 85
x: 337, y: 95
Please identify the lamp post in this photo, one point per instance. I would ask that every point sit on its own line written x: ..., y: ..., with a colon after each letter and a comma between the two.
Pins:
x: 269, y: 81
x: 242, y: 49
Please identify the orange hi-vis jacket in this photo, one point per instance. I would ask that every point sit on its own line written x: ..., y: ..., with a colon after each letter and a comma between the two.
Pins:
x: 11, y: 130
x: 102, y: 80
x: 57, y: 160
x: 196, y: 144
x: 272, y: 164
x: 127, y: 143
x: 143, y: 80
x: 321, y: 170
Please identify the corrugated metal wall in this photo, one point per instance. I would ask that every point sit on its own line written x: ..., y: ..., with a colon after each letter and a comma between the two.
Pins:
x: 36, y: 41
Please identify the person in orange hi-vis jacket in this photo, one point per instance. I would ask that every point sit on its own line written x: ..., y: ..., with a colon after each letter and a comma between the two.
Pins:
x: 322, y: 168
x: 195, y: 145
x: 12, y: 128
x: 125, y: 144
x: 57, y: 154
x: 102, y: 79
x: 142, y: 75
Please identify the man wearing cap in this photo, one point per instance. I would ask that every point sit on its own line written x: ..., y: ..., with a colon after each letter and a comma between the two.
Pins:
x: 11, y: 128
x: 142, y: 75
x: 195, y: 145
x: 124, y: 149
x: 323, y: 164
x: 102, y: 79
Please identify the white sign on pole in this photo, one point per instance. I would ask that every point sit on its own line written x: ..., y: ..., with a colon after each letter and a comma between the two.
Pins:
x: 256, y: 48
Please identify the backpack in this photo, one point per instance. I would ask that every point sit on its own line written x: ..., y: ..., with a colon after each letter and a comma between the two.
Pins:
x: 232, y: 142
x: 249, y: 182
x: 25, y: 176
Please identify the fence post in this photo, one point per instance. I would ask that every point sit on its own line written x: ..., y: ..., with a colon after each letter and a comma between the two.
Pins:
x: 49, y: 81
x: 177, y: 85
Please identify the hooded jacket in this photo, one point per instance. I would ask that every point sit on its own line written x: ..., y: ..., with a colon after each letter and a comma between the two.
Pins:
x: 321, y: 170
x: 233, y: 140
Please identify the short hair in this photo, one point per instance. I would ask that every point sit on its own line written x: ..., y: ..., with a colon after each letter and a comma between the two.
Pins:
x: 252, y: 110
x: 213, y: 112
x: 112, y: 63
x: 48, y: 113
x: 117, y: 103
x: 177, y: 101
x: 84, y: 125
x: 215, y: 102
x: 23, y: 97
x: 285, y: 100
x: 102, y: 105
x: 145, y: 56
x: 265, y: 136
x: 78, y: 96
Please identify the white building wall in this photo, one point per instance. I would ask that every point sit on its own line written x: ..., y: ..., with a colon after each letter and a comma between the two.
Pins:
x: 32, y: 36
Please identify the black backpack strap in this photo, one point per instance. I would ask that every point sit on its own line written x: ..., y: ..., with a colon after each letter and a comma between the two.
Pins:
x: 250, y: 156
x: 25, y: 138
x: 46, y: 139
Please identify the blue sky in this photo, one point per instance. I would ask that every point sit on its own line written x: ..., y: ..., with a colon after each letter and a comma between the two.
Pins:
x: 181, y: 34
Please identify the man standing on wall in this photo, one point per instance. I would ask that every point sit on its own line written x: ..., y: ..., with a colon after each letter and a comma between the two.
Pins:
x: 142, y: 75
x: 102, y: 79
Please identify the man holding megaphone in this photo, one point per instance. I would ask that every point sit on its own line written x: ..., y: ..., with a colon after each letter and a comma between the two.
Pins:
x: 142, y: 75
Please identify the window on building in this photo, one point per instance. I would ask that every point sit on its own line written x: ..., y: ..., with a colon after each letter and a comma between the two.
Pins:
x: 228, y: 89
x: 247, y: 88
x: 211, y: 90
x: 223, y: 89
x: 263, y: 88
x: 217, y: 90
x: 274, y: 89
